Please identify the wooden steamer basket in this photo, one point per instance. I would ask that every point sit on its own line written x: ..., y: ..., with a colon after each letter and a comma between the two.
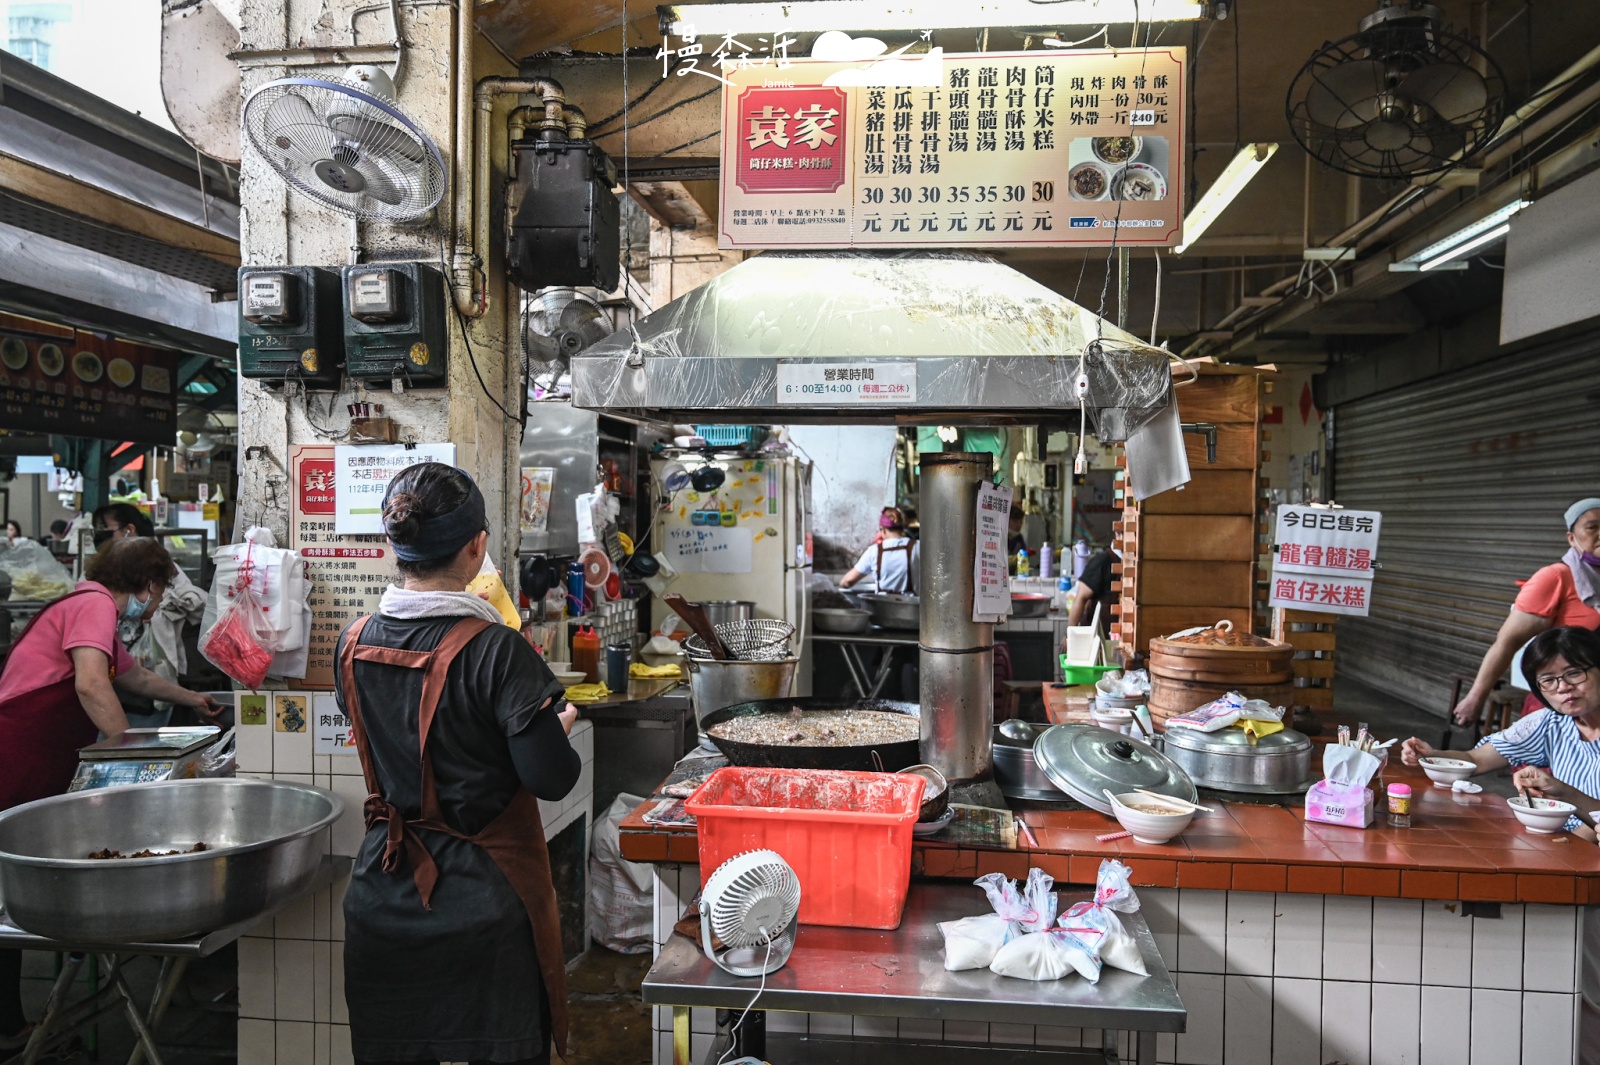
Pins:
x: 1185, y: 675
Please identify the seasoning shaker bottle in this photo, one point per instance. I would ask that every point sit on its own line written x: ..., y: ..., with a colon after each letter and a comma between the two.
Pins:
x: 1399, y: 806
x: 619, y: 656
x: 586, y: 653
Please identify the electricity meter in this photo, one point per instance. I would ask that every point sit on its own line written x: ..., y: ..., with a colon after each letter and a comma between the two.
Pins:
x: 395, y: 323
x: 289, y: 325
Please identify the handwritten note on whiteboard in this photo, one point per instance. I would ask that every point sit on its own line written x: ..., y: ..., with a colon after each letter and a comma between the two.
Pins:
x: 709, y: 549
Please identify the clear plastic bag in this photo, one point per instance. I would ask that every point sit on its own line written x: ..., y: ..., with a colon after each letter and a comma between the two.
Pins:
x: 1046, y: 956
x: 237, y: 643
x: 973, y: 942
x: 35, y: 574
x: 1095, y: 923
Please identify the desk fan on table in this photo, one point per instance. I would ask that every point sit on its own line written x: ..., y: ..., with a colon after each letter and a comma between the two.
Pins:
x: 750, y: 904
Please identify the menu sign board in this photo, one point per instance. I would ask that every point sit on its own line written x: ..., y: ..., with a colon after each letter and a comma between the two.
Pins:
x: 347, y: 573
x: 82, y: 384
x: 1324, y: 559
x: 997, y: 149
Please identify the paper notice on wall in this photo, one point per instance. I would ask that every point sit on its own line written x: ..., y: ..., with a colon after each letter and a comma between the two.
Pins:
x: 330, y: 728
x: 1324, y: 559
x: 362, y: 475
x: 709, y: 549
x: 537, y: 484
x: 991, y: 600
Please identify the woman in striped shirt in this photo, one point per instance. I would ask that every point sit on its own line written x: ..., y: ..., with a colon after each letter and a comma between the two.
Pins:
x: 1559, y: 746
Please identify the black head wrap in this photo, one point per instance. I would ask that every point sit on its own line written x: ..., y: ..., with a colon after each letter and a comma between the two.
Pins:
x: 444, y: 534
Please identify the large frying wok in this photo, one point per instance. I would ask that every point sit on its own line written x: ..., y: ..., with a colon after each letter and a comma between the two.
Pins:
x: 891, y: 756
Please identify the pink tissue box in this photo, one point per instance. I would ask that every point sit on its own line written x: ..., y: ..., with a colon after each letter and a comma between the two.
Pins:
x: 1339, y: 804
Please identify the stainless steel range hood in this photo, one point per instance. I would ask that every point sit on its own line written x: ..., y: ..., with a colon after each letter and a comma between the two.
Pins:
x: 964, y: 339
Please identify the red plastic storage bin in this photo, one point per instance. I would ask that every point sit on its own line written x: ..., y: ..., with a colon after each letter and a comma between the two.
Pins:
x: 847, y: 835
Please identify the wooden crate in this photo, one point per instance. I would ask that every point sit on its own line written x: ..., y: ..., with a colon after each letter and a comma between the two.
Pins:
x: 1314, y: 641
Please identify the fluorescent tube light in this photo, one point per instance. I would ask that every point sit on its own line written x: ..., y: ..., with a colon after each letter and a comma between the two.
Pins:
x: 1461, y: 249
x: 805, y: 16
x: 1466, y: 238
x: 1234, y: 177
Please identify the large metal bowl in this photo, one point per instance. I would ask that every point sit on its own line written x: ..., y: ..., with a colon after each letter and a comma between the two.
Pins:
x: 840, y: 619
x: 264, y: 841
x: 894, y: 611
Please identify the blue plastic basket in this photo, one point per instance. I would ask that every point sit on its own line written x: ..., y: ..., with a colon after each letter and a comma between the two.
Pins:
x: 731, y: 435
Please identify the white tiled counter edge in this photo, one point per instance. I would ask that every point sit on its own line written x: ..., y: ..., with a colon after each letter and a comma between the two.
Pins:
x: 1285, y: 979
x: 291, y: 971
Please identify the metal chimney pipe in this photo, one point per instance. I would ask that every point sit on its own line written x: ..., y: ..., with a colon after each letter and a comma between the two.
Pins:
x: 956, y: 686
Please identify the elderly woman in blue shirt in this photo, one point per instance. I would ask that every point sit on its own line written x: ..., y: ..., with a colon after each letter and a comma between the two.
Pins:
x: 1559, y: 746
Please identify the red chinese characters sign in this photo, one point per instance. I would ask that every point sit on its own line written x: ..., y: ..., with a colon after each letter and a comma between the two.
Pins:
x: 1027, y: 149
x: 792, y: 140
x: 1324, y: 559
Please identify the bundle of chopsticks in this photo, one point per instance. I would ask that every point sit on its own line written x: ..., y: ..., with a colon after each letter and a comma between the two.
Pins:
x: 1363, y: 740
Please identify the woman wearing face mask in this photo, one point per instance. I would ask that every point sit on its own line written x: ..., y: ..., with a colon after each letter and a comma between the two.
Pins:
x: 1565, y: 593
x: 893, y: 562
x: 58, y: 690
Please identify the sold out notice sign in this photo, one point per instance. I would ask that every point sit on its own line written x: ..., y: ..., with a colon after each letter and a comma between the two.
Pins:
x: 1324, y: 559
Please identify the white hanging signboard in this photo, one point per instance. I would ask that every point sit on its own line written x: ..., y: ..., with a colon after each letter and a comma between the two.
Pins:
x: 991, y: 583
x: 841, y: 384
x: 362, y: 475
x: 1324, y: 559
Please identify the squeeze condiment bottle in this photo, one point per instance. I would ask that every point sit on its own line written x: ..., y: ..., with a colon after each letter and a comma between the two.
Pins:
x: 586, y: 653
x: 1400, y: 805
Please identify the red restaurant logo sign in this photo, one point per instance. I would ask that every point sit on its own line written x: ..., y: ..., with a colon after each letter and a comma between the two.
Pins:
x: 791, y: 140
x: 316, y: 486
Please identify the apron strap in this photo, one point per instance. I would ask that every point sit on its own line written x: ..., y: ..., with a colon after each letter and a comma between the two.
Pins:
x: 438, y: 668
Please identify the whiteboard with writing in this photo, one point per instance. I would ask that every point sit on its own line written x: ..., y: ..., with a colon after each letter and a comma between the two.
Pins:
x: 709, y: 548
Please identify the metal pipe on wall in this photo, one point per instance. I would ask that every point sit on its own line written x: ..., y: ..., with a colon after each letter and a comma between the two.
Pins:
x: 956, y: 683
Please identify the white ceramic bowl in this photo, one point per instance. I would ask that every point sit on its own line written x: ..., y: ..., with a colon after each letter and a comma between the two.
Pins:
x: 569, y: 677
x: 1148, y: 827
x: 1446, y: 771
x: 1547, y: 815
x: 558, y: 667
x: 1115, y: 720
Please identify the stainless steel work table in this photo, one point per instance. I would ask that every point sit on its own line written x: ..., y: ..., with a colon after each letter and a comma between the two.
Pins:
x: 61, y: 1018
x: 850, y: 644
x: 900, y: 973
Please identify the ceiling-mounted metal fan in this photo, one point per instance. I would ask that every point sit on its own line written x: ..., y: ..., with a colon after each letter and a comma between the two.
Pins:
x: 1400, y: 98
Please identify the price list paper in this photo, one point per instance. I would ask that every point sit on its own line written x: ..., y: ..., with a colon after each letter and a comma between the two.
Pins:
x: 990, y: 150
x: 991, y: 579
x: 347, y: 573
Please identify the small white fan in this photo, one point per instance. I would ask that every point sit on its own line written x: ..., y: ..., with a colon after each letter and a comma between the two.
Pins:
x: 346, y: 143
x: 750, y: 904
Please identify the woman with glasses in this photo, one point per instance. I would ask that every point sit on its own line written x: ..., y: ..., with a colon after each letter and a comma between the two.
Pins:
x: 1559, y: 746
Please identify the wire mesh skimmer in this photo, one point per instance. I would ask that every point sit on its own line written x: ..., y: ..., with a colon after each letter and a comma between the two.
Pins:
x: 756, y: 640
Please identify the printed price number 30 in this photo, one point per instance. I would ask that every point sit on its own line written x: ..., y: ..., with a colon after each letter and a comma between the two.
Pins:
x: 1043, y: 192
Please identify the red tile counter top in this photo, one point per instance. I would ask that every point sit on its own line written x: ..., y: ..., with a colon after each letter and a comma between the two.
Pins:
x: 1466, y: 847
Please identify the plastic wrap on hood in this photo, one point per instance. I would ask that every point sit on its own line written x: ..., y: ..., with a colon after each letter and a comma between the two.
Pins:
x: 1129, y: 384
x: 986, y: 343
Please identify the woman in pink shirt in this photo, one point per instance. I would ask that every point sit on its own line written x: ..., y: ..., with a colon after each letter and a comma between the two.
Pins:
x: 58, y: 692
x: 1566, y: 593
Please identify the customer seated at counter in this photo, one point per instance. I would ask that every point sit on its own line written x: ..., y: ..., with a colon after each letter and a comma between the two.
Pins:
x: 1559, y: 745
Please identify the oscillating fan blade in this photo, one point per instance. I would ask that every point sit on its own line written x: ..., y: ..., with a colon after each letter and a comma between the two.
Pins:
x: 375, y: 135
x: 1452, y: 92
x: 1388, y: 136
x: 1345, y: 95
x: 381, y: 185
x: 293, y: 127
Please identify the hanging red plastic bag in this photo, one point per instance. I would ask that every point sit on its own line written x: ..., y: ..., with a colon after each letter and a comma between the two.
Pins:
x: 240, y: 643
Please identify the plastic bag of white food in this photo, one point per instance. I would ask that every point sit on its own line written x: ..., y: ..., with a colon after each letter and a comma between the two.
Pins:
x: 1215, y: 715
x: 973, y: 942
x: 1096, y: 925
x: 1046, y: 956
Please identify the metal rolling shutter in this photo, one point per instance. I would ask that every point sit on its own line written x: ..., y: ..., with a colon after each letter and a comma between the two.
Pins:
x: 1472, y: 472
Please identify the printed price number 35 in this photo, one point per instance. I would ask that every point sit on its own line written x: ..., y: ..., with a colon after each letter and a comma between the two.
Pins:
x: 1043, y: 192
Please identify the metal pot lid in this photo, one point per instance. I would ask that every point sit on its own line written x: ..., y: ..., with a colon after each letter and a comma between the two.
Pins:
x: 1084, y: 761
x: 1235, y: 741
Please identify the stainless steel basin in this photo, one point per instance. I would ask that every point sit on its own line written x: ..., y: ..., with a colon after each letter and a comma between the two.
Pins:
x: 264, y: 841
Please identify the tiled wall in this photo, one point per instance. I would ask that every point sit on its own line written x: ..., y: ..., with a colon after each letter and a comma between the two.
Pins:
x: 1279, y: 979
x: 291, y: 971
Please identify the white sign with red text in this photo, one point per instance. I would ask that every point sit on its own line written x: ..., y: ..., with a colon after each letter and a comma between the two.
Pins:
x: 1324, y: 559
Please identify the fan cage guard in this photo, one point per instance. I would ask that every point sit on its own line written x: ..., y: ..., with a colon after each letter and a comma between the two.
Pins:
x: 1433, y: 146
x: 423, y: 184
x: 759, y: 880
